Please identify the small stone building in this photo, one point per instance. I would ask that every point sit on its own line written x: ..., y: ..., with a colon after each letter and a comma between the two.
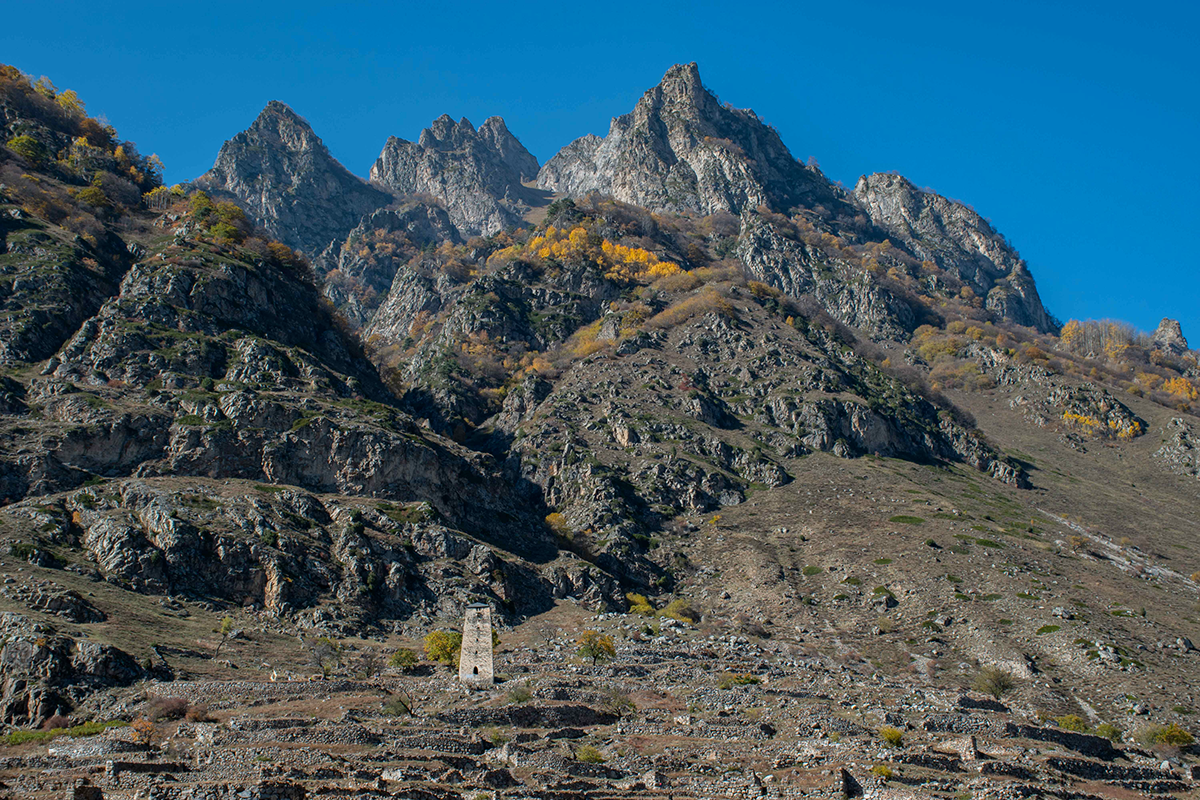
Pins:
x: 475, y: 660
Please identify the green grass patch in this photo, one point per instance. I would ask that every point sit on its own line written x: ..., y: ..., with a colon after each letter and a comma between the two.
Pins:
x: 882, y: 561
x: 1042, y: 631
x: 85, y: 729
x: 906, y: 520
x: 810, y: 570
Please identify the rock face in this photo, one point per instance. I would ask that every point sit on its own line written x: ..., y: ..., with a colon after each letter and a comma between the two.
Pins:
x: 957, y: 239
x: 285, y: 178
x: 681, y: 150
x: 359, y: 271
x: 476, y: 174
x: 1169, y: 336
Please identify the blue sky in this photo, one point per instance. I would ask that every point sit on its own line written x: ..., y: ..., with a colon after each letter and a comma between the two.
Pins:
x: 1072, y: 126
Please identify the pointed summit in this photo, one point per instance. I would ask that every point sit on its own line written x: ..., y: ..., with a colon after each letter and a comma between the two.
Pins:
x: 280, y: 171
x: 477, y: 174
x: 681, y: 150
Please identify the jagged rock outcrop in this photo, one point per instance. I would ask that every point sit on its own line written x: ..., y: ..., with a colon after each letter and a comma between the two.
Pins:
x: 282, y: 174
x: 1180, y: 451
x: 283, y: 550
x: 850, y: 294
x: 957, y: 239
x: 359, y: 272
x: 476, y: 174
x: 1168, y: 336
x: 681, y: 150
x: 46, y: 672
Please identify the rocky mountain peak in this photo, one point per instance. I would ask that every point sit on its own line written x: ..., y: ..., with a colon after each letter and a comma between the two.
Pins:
x: 681, y: 86
x: 281, y: 172
x: 957, y: 239
x: 476, y: 173
x: 1169, y: 336
x: 681, y: 150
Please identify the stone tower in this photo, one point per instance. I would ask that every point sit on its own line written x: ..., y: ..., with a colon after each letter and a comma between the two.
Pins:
x: 475, y: 661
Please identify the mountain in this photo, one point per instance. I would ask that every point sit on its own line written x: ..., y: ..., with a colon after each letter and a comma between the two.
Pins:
x: 285, y: 178
x: 681, y: 150
x: 816, y: 464
x: 955, y: 238
x: 477, y: 174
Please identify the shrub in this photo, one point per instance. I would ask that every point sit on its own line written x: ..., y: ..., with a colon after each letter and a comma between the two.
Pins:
x: 404, y: 659
x: 994, y: 681
x: 1172, y: 735
x: 198, y: 712
x: 399, y: 705
x: 728, y: 680
x: 638, y: 604
x: 56, y: 722
x: 1071, y: 722
x: 616, y: 702
x: 596, y: 646
x: 93, y: 196
x: 1109, y: 731
x: 145, y: 731
x: 883, y: 771
x: 679, y: 610
x: 892, y: 737
x: 168, y: 708
x: 588, y: 754
x: 520, y: 694
x: 28, y: 148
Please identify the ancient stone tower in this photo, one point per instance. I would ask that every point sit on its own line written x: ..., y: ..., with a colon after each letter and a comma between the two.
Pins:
x: 475, y: 661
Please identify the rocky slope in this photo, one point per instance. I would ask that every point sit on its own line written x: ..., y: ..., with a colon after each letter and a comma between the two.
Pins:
x: 283, y: 175
x: 833, y: 430
x: 478, y: 175
x: 955, y: 238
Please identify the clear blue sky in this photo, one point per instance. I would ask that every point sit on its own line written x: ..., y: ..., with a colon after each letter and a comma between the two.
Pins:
x: 1074, y: 127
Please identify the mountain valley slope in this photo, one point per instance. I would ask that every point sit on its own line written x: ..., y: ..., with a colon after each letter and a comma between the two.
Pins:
x: 744, y: 420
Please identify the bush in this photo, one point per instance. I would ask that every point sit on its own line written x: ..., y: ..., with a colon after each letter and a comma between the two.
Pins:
x: 520, y: 694
x: 730, y: 679
x: 616, y: 702
x: 443, y: 647
x: 404, y: 660
x: 1172, y: 735
x: 56, y: 722
x: 883, y: 771
x: 198, y: 712
x: 994, y: 681
x: 892, y: 737
x: 1071, y: 722
x: 679, y: 610
x: 638, y: 604
x: 1109, y: 731
x: 399, y: 705
x: 145, y: 731
x: 93, y: 196
x: 28, y: 148
x: 588, y: 754
x: 166, y: 708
